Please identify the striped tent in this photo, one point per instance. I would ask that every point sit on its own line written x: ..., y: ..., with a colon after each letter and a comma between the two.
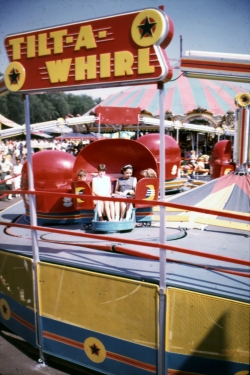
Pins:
x: 182, y: 95
x: 230, y: 192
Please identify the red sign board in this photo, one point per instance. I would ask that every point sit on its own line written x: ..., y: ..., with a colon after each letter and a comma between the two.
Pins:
x: 125, y: 49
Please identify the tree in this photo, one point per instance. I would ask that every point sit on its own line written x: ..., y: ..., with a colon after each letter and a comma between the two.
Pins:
x: 80, y: 104
x: 4, y: 106
x: 46, y: 107
x: 15, y: 108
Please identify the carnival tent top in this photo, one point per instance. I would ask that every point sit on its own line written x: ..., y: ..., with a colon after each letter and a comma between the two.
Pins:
x: 5, y: 121
x: 182, y: 95
x: 230, y: 192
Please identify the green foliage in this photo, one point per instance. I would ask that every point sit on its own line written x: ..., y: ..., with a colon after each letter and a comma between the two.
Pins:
x: 46, y: 107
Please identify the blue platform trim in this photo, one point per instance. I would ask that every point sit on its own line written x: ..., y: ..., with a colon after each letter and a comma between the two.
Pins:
x: 22, y: 320
x: 122, y: 357
x: 200, y: 365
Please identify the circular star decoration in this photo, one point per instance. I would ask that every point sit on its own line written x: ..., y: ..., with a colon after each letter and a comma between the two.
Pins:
x: 94, y: 349
x: 149, y: 28
x: 14, y: 77
x: 146, y: 28
x: 4, y: 309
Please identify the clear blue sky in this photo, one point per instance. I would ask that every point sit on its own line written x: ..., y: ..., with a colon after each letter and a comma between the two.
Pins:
x: 205, y: 25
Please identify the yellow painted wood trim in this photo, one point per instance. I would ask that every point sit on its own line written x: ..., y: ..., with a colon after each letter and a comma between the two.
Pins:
x: 222, y: 223
x: 174, y: 218
x: 246, y: 214
x: 173, y: 209
x: 196, y: 182
x: 169, y: 209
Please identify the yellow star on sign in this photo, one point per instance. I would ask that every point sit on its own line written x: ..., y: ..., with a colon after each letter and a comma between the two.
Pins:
x: 14, y: 76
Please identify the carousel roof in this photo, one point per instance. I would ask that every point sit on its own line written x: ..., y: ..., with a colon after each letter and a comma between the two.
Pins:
x: 181, y: 96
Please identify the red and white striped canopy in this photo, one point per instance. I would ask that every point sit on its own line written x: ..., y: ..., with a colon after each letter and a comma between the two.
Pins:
x: 181, y: 96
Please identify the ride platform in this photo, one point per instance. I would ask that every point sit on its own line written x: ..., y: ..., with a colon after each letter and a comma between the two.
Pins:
x: 99, y: 295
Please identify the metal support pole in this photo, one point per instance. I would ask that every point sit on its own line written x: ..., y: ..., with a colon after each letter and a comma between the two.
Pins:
x: 162, y: 284
x: 192, y: 137
x: 242, y: 143
x: 197, y: 144
x: 99, y: 126
x: 177, y: 133
x: 33, y: 222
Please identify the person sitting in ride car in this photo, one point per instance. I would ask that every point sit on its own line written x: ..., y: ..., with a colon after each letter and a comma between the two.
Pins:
x: 82, y: 175
x: 200, y: 168
x: 149, y: 173
x: 125, y: 187
x: 101, y: 185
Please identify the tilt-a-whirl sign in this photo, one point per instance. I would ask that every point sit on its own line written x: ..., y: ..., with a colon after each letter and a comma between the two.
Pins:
x: 118, y: 50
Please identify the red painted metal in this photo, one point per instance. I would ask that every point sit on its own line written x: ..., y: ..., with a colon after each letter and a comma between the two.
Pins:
x: 52, y: 172
x: 172, y: 153
x: 115, y: 153
x: 56, y: 171
x: 220, y: 161
x: 118, y: 115
x: 90, y: 54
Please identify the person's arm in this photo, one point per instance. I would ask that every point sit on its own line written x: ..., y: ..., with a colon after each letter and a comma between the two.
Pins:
x: 93, y: 186
x: 110, y: 187
x: 132, y: 190
x: 134, y: 183
x: 117, y: 191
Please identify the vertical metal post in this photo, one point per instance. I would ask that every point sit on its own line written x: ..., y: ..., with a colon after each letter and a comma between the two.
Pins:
x: 99, y: 126
x: 242, y: 143
x: 162, y: 284
x: 33, y: 222
x: 177, y: 133
x: 180, y: 47
x: 197, y: 144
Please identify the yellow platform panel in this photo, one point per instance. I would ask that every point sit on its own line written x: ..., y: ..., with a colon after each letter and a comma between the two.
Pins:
x: 207, y: 326
x: 16, y: 279
x: 122, y: 308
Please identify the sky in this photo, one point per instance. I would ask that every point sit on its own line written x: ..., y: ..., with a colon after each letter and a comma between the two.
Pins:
x: 205, y: 25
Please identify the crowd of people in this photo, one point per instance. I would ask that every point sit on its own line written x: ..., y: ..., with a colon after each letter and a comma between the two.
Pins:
x: 10, y: 173
x: 17, y: 148
x: 13, y: 154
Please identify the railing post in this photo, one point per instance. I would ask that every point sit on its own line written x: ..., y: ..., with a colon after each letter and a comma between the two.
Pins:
x: 33, y: 222
x: 162, y: 236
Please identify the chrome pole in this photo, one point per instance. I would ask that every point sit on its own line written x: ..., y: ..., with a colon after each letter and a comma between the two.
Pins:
x: 33, y: 222
x: 162, y: 235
